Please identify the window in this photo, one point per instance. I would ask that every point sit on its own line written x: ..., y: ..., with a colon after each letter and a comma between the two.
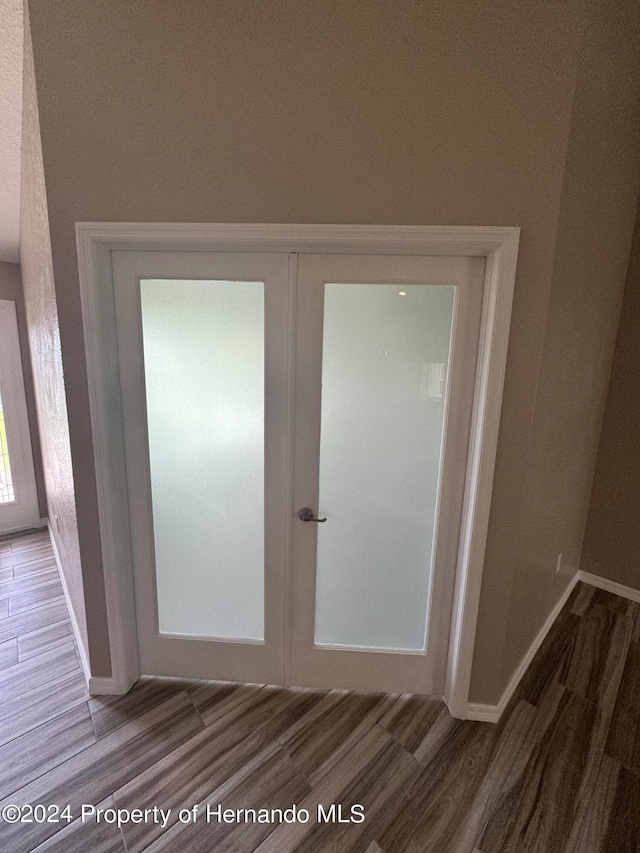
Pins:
x: 6, y: 483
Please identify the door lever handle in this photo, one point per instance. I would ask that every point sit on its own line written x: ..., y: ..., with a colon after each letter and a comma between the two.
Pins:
x: 306, y: 514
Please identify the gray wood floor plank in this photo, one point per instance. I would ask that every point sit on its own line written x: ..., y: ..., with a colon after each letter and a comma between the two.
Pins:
x: 287, y: 838
x: 36, y: 672
x: 269, y: 781
x: 607, y: 692
x: 25, y: 541
x: 32, y: 568
x: 214, y: 699
x: 410, y: 718
x: 31, y: 540
x: 623, y: 742
x: 615, y: 603
x: 431, y: 813
x: 497, y: 780
x: 549, y: 659
x: 601, y: 639
x: 496, y: 828
x: 111, y: 712
x: 379, y: 788
x: 316, y: 749
x: 208, y: 760
x: 26, y: 758
x: 93, y: 836
x: 579, y: 599
x: 328, y: 701
x: 436, y: 736
x: 91, y: 776
x: 36, y: 597
x: 623, y: 828
x: 44, y: 639
x: 30, y: 620
x: 34, y: 546
x: 36, y: 707
x: 636, y: 629
x: 590, y: 825
x: 4, y: 608
x: 6, y: 575
x: 12, y: 587
x: 8, y: 653
x: 25, y: 556
x: 541, y: 819
x: 17, y: 546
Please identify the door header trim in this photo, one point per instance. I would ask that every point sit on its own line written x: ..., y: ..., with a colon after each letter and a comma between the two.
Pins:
x: 348, y: 239
x: 96, y: 240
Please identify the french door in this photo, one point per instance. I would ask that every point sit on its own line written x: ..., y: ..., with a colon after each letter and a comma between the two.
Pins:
x: 385, y: 369
x: 296, y: 435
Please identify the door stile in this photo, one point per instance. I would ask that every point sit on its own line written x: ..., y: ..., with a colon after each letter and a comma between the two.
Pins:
x: 287, y: 638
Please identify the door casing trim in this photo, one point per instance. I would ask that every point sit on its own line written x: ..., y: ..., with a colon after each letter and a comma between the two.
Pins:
x: 97, y: 240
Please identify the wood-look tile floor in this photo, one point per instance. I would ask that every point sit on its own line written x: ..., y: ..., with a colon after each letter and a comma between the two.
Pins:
x: 560, y: 772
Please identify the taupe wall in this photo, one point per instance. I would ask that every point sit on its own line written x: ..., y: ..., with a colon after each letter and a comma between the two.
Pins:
x: 612, y: 542
x: 595, y: 229
x: 44, y: 342
x: 11, y: 288
x: 372, y: 111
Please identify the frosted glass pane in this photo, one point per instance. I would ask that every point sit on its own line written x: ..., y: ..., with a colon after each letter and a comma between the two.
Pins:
x: 384, y: 379
x: 204, y: 372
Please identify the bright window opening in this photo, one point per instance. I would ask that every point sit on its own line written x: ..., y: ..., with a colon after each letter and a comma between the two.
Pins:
x: 6, y: 483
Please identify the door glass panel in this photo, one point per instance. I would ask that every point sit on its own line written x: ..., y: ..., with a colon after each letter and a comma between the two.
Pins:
x: 385, y: 373
x: 7, y: 494
x: 204, y: 372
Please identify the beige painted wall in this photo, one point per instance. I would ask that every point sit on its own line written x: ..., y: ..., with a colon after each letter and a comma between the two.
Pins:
x: 44, y: 342
x: 11, y: 288
x: 371, y: 111
x: 595, y: 230
x: 612, y: 542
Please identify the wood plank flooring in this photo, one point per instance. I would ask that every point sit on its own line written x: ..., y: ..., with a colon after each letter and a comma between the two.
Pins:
x: 559, y: 773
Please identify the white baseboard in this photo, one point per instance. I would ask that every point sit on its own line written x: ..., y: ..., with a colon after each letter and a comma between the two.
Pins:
x: 484, y: 713
x: 103, y: 687
x: 492, y: 713
x: 82, y: 651
x: 26, y: 529
x: 609, y: 586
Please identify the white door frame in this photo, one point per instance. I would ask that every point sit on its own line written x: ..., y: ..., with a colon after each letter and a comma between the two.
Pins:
x: 95, y: 242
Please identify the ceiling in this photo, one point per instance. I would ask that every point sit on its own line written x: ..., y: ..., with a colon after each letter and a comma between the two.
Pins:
x: 10, y: 126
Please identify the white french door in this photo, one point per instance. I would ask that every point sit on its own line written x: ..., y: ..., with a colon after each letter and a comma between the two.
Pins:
x: 18, y: 496
x: 386, y: 356
x: 203, y: 353
x: 262, y: 389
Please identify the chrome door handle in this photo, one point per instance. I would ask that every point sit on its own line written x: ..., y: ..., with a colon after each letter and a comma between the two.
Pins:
x: 306, y: 514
